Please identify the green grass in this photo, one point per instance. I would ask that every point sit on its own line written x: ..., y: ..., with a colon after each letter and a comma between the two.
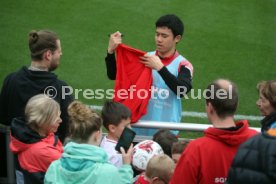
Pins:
x: 223, y: 39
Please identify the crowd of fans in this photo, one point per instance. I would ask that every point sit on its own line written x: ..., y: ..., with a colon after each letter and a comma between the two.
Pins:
x: 229, y: 152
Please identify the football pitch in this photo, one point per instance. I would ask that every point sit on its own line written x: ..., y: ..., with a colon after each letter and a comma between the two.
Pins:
x: 232, y: 39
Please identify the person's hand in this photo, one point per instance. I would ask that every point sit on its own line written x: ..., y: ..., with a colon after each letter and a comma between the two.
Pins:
x: 127, y: 156
x: 114, y: 40
x: 152, y: 61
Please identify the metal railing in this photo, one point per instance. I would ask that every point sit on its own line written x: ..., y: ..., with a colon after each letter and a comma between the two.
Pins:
x: 172, y: 126
x: 176, y: 126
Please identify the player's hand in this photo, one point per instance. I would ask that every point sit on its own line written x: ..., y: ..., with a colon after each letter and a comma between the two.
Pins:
x: 127, y: 156
x: 114, y: 40
x: 152, y: 61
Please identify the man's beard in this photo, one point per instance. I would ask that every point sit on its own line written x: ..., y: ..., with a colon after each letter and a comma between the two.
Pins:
x: 53, y: 66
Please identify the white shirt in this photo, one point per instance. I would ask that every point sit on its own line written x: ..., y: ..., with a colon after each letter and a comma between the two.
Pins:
x: 114, y: 157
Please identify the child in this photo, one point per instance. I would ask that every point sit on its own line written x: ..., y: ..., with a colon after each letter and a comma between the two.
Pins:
x: 178, y: 148
x: 115, y: 117
x: 165, y: 138
x: 160, y: 168
x: 142, y: 153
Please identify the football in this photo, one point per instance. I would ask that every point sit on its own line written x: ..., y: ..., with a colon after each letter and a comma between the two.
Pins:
x: 143, y: 152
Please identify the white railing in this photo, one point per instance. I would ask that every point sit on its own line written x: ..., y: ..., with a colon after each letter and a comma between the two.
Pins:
x: 176, y: 126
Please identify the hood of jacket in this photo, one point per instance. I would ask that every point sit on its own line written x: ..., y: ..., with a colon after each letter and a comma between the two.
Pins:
x: 82, y: 153
x: 233, y: 138
x: 82, y: 162
x: 22, y: 137
x: 267, y: 121
x: 76, y: 156
x: 31, y: 82
x: 85, y: 164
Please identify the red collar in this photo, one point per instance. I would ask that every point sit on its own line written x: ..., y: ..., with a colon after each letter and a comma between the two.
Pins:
x: 167, y: 60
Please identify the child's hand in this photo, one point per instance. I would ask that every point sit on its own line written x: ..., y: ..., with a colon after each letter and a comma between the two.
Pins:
x: 127, y: 156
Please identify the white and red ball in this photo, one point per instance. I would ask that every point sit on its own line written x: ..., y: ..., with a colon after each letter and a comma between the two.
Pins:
x: 143, y: 152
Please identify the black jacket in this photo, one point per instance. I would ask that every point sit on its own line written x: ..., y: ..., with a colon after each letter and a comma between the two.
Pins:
x: 255, y: 162
x: 20, y: 86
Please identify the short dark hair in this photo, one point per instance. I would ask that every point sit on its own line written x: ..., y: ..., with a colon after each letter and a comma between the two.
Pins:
x: 41, y: 41
x: 179, y: 147
x: 172, y: 22
x: 165, y: 139
x: 113, y: 113
x: 223, y: 106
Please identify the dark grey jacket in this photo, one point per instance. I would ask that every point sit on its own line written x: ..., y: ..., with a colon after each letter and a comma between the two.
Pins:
x: 255, y: 161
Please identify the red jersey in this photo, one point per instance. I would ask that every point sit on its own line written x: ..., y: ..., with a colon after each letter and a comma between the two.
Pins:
x: 133, y: 81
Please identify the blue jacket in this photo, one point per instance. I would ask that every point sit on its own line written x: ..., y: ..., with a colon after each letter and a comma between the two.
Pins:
x: 83, y: 164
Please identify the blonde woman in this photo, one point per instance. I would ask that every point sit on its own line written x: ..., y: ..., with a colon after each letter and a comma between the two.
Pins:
x: 83, y: 161
x: 33, y: 139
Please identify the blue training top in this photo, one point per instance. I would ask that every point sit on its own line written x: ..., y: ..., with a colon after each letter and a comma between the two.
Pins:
x: 164, y: 105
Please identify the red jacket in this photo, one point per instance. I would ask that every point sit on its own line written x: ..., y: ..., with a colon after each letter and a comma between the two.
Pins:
x: 207, y: 160
x: 38, y: 156
x: 34, y: 152
x: 133, y: 79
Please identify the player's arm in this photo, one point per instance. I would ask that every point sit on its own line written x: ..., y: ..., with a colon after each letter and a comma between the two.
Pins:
x: 180, y: 84
x: 183, y: 82
x: 110, y: 63
x: 114, y: 40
